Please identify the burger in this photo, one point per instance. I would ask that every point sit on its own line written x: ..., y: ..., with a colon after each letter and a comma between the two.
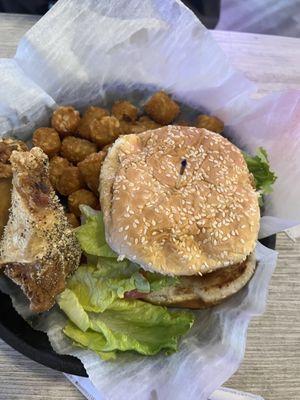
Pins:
x: 179, y: 220
x: 180, y: 201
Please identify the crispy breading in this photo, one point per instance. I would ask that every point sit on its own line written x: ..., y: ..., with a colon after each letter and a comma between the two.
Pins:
x: 39, y: 249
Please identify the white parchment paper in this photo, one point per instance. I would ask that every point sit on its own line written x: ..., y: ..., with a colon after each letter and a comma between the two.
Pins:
x: 207, y: 356
x: 93, y: 52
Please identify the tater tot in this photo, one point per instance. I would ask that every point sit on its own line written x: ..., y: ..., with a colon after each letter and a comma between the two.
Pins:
x: 95, y: 112
x: 127, y: 128
x: 70, y: 181
x: 79, y: 197
x: 7, y: 146
x: 5, y: 170
x: 105, y: 131
x: 143, y: 124
x: 148, y: 123
x: 138, y: 128
x: 5, y: 152
x: 210, y: 123
x: 73, y: 220
x: 76, y: 149
x: 48, y: 140
x: 91, y: 113
x: 161, y: 108
x: 65, y: 120
x: 57, y: 165
x: 124, y: 110
x: 90, y: 170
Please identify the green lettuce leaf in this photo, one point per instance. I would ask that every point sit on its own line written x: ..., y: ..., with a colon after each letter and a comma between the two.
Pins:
x: 260, y: 168
x: 140, y: 326
x: 91, y: 235
x: 112, y: 268
x: 158, y: 281
x: 100, y: 318
x: 88, y: 340
x: 132, y: 325
x: 69, y: 302
x: 95, y: 290
x: 141, y: 283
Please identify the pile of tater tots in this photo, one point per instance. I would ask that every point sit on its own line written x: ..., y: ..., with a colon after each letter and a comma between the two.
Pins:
x: 77, y: 145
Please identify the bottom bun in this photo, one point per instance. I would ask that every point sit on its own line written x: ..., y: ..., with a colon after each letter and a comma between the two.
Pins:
x: 205, y: 291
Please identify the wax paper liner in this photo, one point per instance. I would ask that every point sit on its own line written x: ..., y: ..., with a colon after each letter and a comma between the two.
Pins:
x: 207, y: 356
x: 89, y: 52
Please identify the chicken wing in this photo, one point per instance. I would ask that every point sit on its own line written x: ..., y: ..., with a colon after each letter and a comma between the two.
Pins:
x: 39, y: 249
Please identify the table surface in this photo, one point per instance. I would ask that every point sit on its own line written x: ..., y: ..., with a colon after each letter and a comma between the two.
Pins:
x: 271, y: 367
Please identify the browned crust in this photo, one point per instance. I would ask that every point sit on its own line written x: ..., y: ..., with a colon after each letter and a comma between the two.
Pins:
x: 39, y: 250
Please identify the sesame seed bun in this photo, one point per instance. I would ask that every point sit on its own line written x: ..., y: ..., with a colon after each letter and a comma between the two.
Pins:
x: 194, y: 223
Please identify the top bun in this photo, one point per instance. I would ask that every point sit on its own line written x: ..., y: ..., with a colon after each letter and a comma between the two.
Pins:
x: 205, y: 219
